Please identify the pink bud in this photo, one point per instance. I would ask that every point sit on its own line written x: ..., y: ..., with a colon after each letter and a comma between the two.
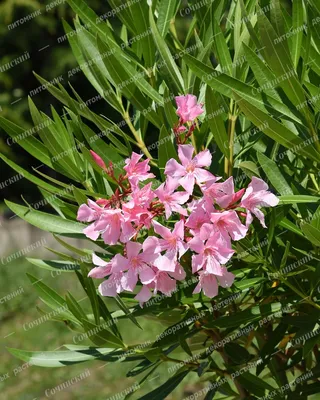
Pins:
x: 98, y: 160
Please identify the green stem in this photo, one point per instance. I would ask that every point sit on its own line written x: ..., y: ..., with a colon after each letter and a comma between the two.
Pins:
x: 228, y: 163
x: 136, y: 135
x: 301, y: 294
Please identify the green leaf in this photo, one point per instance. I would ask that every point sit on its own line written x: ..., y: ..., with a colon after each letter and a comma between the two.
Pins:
x: 276, y: 53
x: 140, y: 13
x: 75, y: 307
x: 46, y: 222
x: 90, y: 289
x: 37, y: 181
x: 216, y: 123
x: 262, y: 73
x: 126, y: 311
x: 166, y: 149
x: 164, y: 390
x: 274, y: 175
x: 124, y: 14
x: 222, y: 49
x: 138, y: 77
x: 101, y: 336
x: 52, y: 140
x: 237, y: 353
x: 252, y: 314
x: 297, y: 24
x: 249, y: 168
x: 257, y: 385
x: 54, y: 265
x: 277, y: 131
x: 168, y: 61
x: 228, y: 86
x: 51, y: 299
x: 90, y: 17
x: 26, y: 139
x: 92, y: 69
x: 52, y: 359
x: 295, y: 199
x: 312, y: 233
x: 166, y: 11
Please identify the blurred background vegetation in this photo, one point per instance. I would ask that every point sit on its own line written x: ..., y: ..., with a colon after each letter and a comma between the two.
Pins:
x: 50, y: 59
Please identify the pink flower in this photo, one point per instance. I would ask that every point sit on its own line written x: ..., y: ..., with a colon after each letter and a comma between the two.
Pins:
x: 172, y: 243
x: 171, y: 200
x: 200, y: 214
x: 222, y: 193
x: 114, y: 227
x: 191, y: 170
x: 164, y: 283
x: 144, y: 295
x: 188, y: 109
x: 103, y: 268
x: 108, y: 222
x: 137, y: 263
x: 210, y: 255
x: 112, y: 286
x: 136, y: 209
x: 90, y: 212
x: 257, y: 195
x: 208, y: 282
x: 229, y: 225
x: 137, y: 171
x: 98, y: 160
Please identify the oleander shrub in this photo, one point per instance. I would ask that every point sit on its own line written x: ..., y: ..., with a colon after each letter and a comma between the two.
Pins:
x: 201, y: 198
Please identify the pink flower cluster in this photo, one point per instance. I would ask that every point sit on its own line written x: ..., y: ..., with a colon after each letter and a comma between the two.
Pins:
x: 209, y: 214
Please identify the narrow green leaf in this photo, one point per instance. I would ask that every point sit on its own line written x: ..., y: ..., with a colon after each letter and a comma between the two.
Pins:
x: 297, y: 28
x: 100, y: 336
x: 295, y: 199
x: 216, y: 123
x: 276, y: 53
x: 277, y: 131
x: 312, y: 233
x: 26, y: 139
x: 166, y: 56
x: 164, y: 390
x: 228, y: 86
x: 274, y: 175
x: 166, y: 149
x: 52, y: 359
x: 46, y: 222
x: 54, y: 265
x: 166, y: 12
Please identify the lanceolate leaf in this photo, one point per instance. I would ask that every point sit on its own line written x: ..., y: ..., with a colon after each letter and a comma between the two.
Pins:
x: 312, y: 233
x: 274, y: 175
x: 47, y: 222
x: 166, y: 56
x: 277, y: 131
x: 51, y: 359
x: 164, y: 390
x: 277, y: 55
x: 26, y: 139
x: 216, y: 123
x: 228, y: 86
x: 54, y: 265
x: 166, y: 149
x: 166, y: 13
x: 294, y: 199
